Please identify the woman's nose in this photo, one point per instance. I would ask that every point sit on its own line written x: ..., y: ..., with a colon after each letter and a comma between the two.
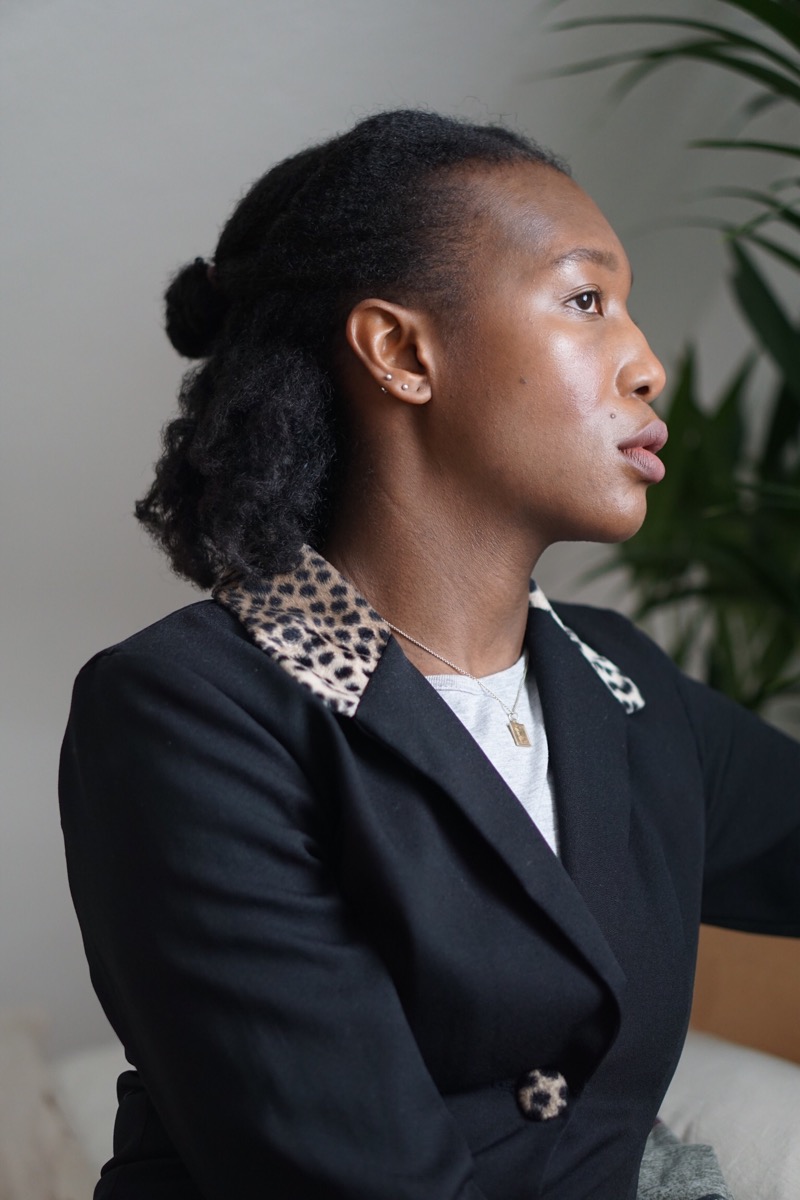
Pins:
x: 643, y: 373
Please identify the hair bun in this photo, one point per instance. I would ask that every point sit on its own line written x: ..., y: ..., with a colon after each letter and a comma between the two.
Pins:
x: 195, y: 310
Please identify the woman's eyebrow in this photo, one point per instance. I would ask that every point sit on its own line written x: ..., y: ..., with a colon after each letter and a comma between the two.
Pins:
x: 603, y: 258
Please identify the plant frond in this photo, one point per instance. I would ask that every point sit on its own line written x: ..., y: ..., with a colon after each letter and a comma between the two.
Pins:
x: 765, y: 315
x: 786, y: 148
x: 718, y: 34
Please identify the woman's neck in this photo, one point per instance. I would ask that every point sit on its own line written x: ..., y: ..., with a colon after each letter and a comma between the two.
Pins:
x: 445, y: 582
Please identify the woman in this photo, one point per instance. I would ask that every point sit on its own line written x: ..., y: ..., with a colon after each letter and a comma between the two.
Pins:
x: 389, y: 873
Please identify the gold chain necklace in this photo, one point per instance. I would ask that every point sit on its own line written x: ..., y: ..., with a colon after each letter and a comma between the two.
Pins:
x: 515, y: 727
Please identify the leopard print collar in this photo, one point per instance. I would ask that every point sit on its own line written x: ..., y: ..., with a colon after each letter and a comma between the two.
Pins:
x: 315, y: 625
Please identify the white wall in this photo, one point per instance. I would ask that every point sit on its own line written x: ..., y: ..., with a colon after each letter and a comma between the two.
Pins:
x: 130, y: 128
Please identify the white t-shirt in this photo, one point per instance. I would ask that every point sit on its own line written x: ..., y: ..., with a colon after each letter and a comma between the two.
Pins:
x: 525, y: 769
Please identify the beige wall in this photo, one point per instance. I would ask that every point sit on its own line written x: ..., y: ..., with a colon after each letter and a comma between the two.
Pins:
x: 130, y: 128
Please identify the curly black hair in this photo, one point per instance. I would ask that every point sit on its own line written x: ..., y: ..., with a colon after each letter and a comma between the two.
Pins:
x: 246, y: 471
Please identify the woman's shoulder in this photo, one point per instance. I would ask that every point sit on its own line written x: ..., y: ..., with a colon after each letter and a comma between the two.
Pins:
x: 189, y: 636
x: 611, y: 632
x: 198, y: 646
x: 618, y: 641
x: 203, y: 624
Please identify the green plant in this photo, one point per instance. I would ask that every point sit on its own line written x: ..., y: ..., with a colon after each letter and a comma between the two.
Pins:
x: 720, y: 550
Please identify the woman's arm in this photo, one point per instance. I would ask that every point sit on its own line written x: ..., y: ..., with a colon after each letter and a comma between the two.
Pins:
x: 269, y: 1036
x: 752, y: 782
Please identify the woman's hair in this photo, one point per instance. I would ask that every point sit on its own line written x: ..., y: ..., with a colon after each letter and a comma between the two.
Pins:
x: 246, y: 470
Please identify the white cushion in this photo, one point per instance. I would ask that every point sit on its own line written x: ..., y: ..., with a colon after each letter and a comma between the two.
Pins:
x: 40, y: 1159
x: 86, y: 1088
x: 747, y: 1106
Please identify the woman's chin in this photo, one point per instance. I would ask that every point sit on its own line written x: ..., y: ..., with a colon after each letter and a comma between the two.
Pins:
x: 616, y: 526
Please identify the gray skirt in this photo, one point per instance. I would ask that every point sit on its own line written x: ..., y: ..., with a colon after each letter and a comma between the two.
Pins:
x: 673, y: 1170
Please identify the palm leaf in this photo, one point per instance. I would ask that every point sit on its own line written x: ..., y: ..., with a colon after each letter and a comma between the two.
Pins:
x: 766, y: 316
x: 745, y: 233
x: 786, y: 148
x: 779, y: 15
x: 649, y: 60
x: 775, y: 209
x: 757, y: 105
x: 782, y: 432
x: 718, y: 35
x: 778, y: 84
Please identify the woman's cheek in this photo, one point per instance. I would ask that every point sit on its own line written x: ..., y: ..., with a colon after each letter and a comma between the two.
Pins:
x: 579, y: 375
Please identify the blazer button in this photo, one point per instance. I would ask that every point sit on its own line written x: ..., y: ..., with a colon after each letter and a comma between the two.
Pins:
x: 542, y: 1095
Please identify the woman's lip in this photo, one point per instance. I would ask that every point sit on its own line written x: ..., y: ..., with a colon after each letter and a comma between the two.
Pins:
x: 644, y: 460
x: 641, y: 450
x: 652, y: 437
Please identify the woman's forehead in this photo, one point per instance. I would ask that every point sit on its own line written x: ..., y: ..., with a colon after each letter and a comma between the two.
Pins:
x: 534, y: 207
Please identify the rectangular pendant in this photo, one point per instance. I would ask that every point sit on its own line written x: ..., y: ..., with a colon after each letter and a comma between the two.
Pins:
x: 519, y: 733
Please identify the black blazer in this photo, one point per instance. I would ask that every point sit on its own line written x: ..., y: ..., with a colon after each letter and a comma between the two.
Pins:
x: 334, y: 945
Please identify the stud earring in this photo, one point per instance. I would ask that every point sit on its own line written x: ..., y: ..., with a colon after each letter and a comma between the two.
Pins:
x: 387, y: 377
x: 403, y: 387
x: 383, y: 389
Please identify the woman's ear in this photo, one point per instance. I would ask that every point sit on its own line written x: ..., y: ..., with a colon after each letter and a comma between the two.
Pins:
x: 392, y: 344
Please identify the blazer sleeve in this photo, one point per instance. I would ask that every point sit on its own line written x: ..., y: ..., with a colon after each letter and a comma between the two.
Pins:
x: 268, y: 1034
x: 752, y: 786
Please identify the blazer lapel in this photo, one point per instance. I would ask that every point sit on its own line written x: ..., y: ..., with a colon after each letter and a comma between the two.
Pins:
x: 315, y: 625
x: 401, y: 709
x: 587, y: 734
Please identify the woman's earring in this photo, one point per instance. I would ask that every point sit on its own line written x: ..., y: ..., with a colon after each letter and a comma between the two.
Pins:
x: 403, y: 387
x: 387, y: 377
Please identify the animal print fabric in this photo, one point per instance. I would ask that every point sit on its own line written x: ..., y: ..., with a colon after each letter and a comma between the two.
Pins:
x: 314, y: 624
x: 621, y: 687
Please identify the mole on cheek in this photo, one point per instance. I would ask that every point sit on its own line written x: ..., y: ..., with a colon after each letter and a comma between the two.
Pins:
x: 523, y: 381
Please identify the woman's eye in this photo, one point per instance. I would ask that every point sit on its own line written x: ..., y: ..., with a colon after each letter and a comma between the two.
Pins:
x: 588, y: 302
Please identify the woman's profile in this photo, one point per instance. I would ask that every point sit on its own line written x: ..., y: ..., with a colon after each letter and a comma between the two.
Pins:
x: 390, y: 872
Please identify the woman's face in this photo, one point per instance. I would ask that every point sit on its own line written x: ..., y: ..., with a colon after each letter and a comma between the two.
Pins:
x: 541, y: 386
